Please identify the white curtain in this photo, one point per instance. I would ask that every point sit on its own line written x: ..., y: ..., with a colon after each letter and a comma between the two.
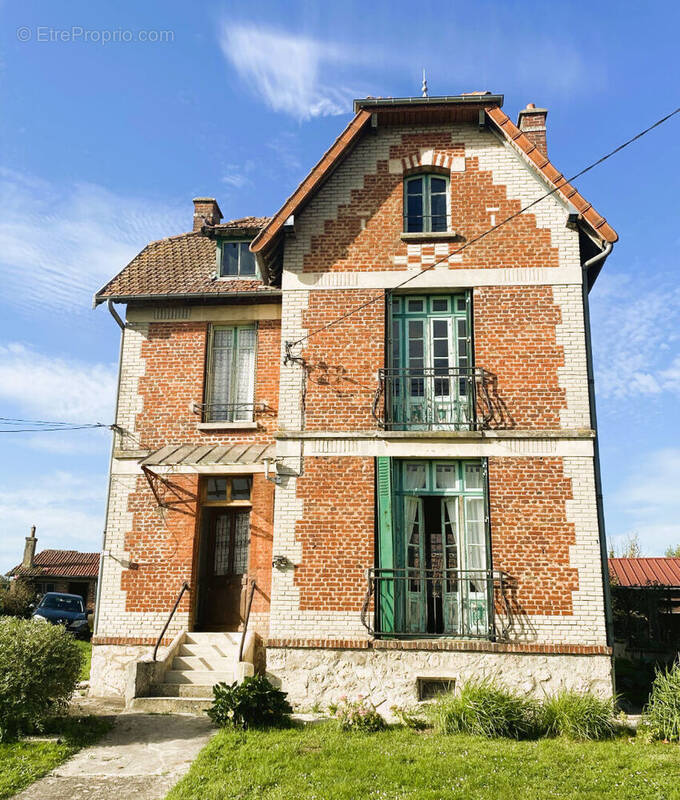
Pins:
x: 475, y: 539
x: 451, y: 504
x: 410, y: 512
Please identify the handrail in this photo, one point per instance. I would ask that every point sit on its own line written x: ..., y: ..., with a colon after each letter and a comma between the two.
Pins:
x: 185, y: 587
x: 251, y: 592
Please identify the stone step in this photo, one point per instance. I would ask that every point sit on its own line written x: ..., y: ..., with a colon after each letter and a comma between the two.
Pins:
x: 213, y: 638
x: 181, y: 690
x: 171, y: 705
x: 209, y: 661
x: 221, y: 650
x: 204, y: 677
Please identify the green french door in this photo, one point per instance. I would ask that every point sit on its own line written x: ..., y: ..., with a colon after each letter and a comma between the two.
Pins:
x: 428, y: 385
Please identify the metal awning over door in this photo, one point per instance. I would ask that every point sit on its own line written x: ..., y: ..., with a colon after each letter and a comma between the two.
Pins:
x: 208, y: 459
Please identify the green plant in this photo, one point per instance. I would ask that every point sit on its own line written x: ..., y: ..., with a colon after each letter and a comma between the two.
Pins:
x: 16, y: 598
x: 484, y: 709
x: 577, y: 715
x: 410, y: 718
x: 661, y: 715
x: 253, y: 703
x: 358, y: 715
x: 39, y: 669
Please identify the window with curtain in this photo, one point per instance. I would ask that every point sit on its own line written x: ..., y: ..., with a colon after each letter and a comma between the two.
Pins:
x: 231, y: 374
x: 426, y: 203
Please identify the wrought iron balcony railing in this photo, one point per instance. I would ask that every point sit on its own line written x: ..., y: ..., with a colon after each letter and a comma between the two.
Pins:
x: 411, y: 602
x: 432, y: 398
x: 226, y: 412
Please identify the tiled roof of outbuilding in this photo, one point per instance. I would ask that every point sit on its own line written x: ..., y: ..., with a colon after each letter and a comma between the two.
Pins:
x: 645, y: 571
x: 60, y: 563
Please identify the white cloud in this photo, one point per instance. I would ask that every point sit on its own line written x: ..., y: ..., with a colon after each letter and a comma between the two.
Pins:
x: 649, y: 502
x: 56, y: 388
x: 288, y: 71
x: 59, y: 245
x: 67, y: 509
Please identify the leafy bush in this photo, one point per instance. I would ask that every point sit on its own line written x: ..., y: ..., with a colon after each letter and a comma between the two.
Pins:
x: 39, y: 669
x: 577, y: 716
x: 661, y: 716
x: 253, y: 703
x: 16, y: 598
x: 484, y: 709
x: 358, y: 715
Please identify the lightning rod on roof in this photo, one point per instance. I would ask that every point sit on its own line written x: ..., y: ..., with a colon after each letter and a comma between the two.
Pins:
x: 424, y: 86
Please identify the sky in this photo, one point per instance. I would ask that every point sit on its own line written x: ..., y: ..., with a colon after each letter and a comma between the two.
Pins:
x: 114, y: 116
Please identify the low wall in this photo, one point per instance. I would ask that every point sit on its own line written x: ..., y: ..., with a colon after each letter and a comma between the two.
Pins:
x: 108, y: 673
x: 389, y: 676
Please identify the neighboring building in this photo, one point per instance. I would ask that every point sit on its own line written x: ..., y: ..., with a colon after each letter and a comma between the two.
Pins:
x: 408, y: 471
x: 646, y: 601
x: 59, y: 571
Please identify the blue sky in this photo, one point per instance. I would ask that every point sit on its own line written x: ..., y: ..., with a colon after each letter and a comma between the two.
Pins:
x: 104, y: 144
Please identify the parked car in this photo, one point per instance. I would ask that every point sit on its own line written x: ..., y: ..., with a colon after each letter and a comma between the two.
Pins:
x: 64, y: 609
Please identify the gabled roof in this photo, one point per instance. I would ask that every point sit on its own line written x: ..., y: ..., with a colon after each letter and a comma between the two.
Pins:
x: 486, y: 102
x: 60, y: 564
x: 182, y: 266
x: 645, y: 571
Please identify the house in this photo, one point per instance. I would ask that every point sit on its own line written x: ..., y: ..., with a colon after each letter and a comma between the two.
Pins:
x: 58, y: 571
x: 366, y: 424
x: 646, y: 607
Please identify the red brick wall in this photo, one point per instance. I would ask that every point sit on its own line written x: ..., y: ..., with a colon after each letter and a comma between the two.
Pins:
x: 261, y: 535
x: 343, y: 361
x: 336, y: 532
x: 530, y: 535
x: 514, y: 334
x: 366, y: 233
x: 174, y: 354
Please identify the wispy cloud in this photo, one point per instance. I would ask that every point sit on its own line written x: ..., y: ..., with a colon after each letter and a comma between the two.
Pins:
x: 287, y: 71
x: 237, y: 176
x: 55, y: 388
x: 59, y: 245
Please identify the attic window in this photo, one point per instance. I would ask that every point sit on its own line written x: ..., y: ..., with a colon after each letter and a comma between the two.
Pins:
x: 426, y: 204
x: 234, y: 259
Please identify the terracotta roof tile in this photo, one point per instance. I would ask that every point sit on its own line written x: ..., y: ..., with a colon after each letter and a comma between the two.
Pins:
x: 645, y: 571
x: 60, y: 563
x: 597, y: 222
x: 179, y: 265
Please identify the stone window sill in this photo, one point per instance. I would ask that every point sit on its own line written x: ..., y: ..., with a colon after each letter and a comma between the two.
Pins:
x: 431, y: 236
x: 226, y: 426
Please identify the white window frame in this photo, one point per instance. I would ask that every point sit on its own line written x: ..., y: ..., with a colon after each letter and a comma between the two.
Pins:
x: 220, y: 245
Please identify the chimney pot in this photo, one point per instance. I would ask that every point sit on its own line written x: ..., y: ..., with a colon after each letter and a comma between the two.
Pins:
x: 29, y: 549
x: 206, y: 212
x: 531, y: 121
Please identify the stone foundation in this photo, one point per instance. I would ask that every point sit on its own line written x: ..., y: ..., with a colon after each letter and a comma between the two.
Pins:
x: 389, y: 677
x: 109, y: 667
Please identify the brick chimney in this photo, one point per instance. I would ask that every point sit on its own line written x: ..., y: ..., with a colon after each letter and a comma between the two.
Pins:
x: 206, y: 212
x: 531, y: 121
x: 29, y: 549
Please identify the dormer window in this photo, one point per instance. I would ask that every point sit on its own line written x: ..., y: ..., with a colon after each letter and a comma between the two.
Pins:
x: 426, y: 203
x: 234, y: 259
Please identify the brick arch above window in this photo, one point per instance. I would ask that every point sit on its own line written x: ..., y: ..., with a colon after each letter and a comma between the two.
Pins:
x: 428, y: 159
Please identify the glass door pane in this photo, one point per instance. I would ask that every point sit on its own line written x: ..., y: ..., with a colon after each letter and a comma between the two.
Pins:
x: 476, y: 594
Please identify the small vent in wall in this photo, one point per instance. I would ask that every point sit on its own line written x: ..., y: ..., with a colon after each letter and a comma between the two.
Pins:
x: 172, y: 313
x: 431, y: 687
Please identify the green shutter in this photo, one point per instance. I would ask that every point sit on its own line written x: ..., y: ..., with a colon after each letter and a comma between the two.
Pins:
x: 385, y: 594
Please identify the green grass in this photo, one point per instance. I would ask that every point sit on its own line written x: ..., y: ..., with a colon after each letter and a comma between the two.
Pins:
x: 321, y: 762
x: 86, y: 648
x: 23, y: 762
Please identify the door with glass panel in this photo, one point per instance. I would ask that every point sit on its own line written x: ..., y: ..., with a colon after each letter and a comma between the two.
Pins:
x: 429, y: 384
x: 229, y: 538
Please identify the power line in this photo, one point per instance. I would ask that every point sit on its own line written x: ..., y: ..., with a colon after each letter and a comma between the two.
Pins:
x: 41, y: 425
x: 661, y: 121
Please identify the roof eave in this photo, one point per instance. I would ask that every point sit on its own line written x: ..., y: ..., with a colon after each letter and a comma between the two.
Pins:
x: 456, y: 99
x: 187, y: 296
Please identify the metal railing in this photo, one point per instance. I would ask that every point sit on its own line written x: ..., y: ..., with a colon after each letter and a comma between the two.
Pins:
x: 226, y: 412
x: 431, y: 398
x: 246, y: 615
x: 411, y: 602
x: 185, y: 588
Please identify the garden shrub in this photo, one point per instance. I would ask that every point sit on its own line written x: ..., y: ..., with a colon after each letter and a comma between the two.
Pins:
x: 358, y: 715
x: 661, y: 716
x: 577, y: 715
x: 253, y: 703
x: 485, y: 709
x: 17, y: 598
x: 39, y: 670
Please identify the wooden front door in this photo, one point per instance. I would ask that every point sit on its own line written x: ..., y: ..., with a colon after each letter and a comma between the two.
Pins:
x: 227, y: 563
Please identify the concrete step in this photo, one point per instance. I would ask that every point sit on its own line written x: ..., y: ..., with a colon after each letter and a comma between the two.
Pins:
x: 171, y: 705
x: 181, y: 690
x: 219, y: 650
x: 213, y: 638
x: 210, y: 662
x: 202, y: 676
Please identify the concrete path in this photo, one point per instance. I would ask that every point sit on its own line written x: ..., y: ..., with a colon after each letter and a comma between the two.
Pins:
x: 142, y: 757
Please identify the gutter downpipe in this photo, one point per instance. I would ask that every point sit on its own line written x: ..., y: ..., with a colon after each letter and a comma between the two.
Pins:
x: 121, y: 325
x: 596, y: 446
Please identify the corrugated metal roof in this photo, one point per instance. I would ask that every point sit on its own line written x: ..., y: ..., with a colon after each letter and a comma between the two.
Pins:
x: 191, y: 455
x: 60, y: 563
x: 645, y: 571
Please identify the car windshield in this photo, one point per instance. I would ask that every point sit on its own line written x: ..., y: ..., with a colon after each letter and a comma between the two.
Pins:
x: 61, y: 603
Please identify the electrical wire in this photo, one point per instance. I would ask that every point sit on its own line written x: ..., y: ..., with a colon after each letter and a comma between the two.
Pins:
x: 661, y: 121
x: 41, y: 425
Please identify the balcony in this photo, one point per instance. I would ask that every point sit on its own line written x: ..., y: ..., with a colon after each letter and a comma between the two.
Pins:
x: 227, y: 414
x: 411, y: 602
x: 433, y: 398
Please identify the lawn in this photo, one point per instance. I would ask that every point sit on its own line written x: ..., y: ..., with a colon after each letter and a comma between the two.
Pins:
x: 25, y: 761
x: 86, y: 648
x: 323, y: 763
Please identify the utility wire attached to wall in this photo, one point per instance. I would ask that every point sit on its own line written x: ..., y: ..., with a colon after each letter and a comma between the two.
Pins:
x: 41, y: 425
